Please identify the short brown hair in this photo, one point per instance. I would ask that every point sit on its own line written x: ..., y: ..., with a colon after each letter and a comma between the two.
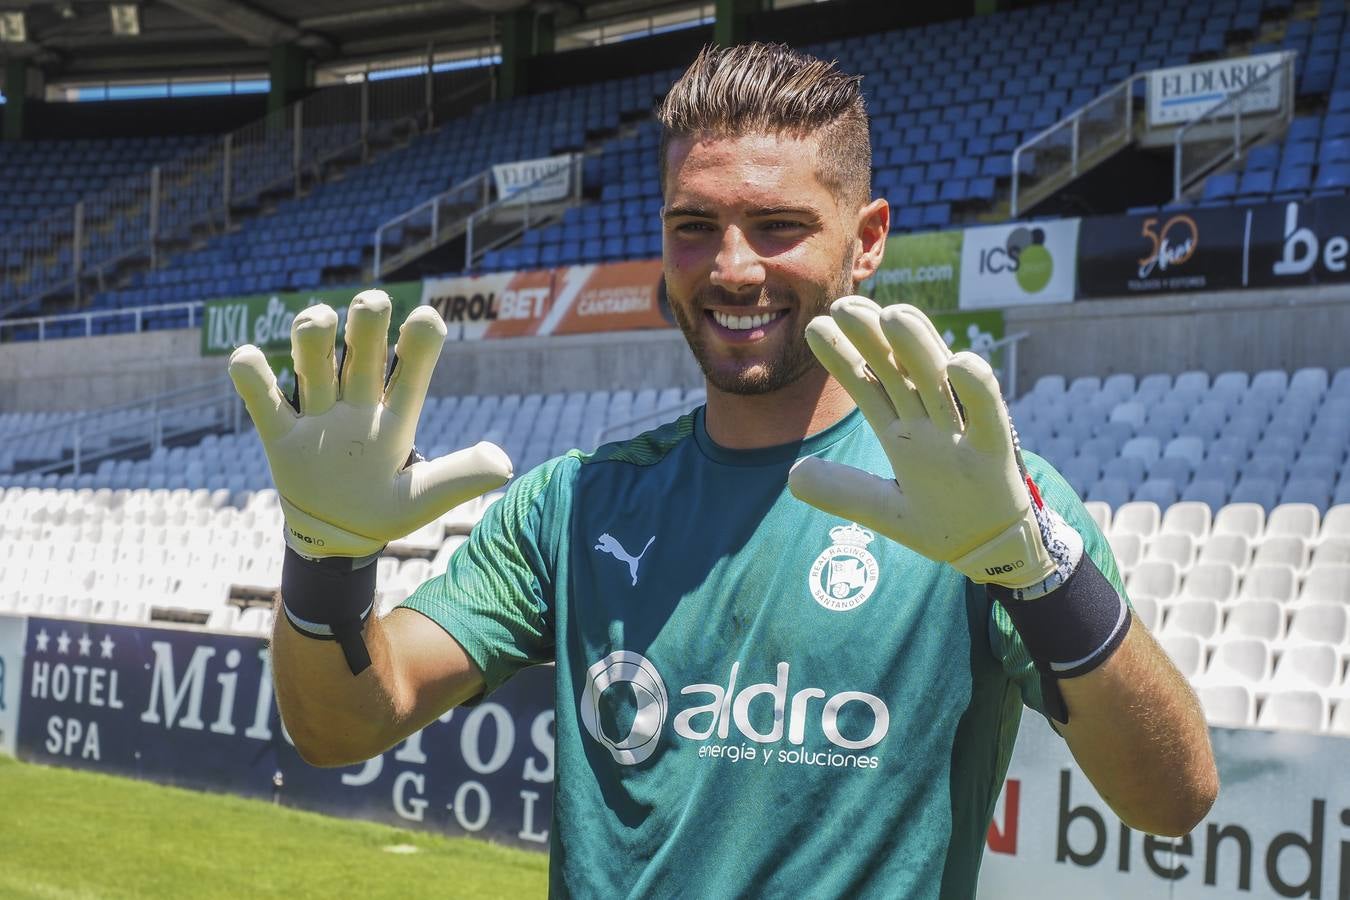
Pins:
x: 771, y: 88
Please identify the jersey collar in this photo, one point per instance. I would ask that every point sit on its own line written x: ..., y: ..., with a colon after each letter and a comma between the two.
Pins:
x: 776, y: 455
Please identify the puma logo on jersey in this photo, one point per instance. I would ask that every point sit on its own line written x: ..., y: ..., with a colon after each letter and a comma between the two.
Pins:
x: 611, y: 545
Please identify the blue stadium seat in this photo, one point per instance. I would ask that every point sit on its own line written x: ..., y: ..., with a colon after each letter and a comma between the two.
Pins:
x: 1221, y: 186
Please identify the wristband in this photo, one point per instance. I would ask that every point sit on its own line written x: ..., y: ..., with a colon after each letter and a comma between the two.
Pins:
x: 330, y: 599
x: 1071, y: 630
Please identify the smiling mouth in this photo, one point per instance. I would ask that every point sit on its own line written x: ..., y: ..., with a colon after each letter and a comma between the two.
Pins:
x: 746, y: 323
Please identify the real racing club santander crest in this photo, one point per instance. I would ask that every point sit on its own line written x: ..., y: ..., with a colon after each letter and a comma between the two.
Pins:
x: 844, y: 574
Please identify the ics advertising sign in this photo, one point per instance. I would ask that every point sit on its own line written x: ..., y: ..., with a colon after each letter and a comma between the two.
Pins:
x: 197, y: 710
x: 1276, y: 830
x: 1020, y: 264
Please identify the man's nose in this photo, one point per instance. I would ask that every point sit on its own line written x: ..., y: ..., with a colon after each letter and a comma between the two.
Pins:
x: 737, y: 266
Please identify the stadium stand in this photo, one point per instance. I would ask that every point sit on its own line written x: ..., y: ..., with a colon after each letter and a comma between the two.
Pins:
x: 1251, y: 599
x: 944, y: 137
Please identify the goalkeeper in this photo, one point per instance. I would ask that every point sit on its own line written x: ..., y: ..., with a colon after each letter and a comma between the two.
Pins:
x: 756, y: 695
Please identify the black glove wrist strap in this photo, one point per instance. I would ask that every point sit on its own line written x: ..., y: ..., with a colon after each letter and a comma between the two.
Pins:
x: 1069, y: 631
x: 330, y: 599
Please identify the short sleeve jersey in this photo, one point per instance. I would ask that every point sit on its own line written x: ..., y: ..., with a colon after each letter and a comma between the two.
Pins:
x: 754, y: 697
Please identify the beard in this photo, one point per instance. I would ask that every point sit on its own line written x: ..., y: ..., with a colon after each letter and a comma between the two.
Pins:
x: 792, y: 357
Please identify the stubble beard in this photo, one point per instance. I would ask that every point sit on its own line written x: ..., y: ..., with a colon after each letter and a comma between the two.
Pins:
x: 761, y: 375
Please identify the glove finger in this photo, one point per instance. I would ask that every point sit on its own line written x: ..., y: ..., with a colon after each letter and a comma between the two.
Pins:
x: 860, y: 320
x: 920, y: 350
x: 434, y: 487
x: 362, y: 378
x: 420, y: 340
x: 257, y: 384
x: 312, y: 335
x: 842, y: 360
x: 851, y: 494
x: 988, y: 427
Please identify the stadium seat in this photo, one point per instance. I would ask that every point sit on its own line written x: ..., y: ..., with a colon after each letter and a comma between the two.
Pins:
x: 1247, y: 519
x: 1294, y: 710
x: 1185, y: 517
x: 1186, y: 651
x: 1245, y: 661
x: 1228, y: 705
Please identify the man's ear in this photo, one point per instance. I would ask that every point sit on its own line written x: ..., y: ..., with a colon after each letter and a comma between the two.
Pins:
x: 874, y: 221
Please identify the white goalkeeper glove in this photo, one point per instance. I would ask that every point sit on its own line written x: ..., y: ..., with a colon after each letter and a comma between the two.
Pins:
x: 960, y: 494
x: 343, y: 463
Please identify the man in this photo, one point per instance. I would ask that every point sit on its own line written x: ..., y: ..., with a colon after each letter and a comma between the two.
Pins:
x: 755, y: 696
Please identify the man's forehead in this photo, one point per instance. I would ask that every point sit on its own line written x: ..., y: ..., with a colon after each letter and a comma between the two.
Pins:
x: 747, y: 163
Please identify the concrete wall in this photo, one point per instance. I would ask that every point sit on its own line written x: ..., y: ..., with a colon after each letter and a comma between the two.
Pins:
x: 1246, y: 330
x: 88, y: 373
x: 93, y: 372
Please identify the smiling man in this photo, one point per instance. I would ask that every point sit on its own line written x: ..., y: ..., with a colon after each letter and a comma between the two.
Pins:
x: 756, y: 695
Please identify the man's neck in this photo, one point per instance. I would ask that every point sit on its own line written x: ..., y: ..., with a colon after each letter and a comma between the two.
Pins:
x: 810, y: 404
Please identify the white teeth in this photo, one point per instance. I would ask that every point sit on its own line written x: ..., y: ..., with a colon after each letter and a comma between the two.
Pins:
x: 743, y: 323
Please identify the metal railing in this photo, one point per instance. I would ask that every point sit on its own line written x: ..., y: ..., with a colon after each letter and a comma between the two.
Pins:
x: 134, y: 219
x: 437, y: 221
x: 468, y: 209
x: 137, y: 314
x: 141, y: 426
x: 1205, y: 143
x: 513, y: 213
x: 1052, y: 158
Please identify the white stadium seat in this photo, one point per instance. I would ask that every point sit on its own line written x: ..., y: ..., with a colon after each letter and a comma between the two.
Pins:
x: 1255, y: 619
x: 1187, y: 517
x: 1246, y: 519
x: 1239, y: 661
x: 1186, y: 651
x: 1294, y: 710
x: 1199, y: 618
x: 1228, y: 705
x: 1157, y: 579
x: 1230, y: 549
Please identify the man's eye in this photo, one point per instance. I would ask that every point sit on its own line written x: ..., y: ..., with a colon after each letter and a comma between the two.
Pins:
x: 692, y: 227
x: 781, y: 225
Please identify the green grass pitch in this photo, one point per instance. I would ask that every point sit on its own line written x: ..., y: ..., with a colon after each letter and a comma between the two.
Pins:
x: 70, y: 835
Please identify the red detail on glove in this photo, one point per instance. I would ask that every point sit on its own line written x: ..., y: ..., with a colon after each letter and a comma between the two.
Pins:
x: 1035, y: 494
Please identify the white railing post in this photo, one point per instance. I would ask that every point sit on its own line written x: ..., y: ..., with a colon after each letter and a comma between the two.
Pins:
x: 468, y: 242
x: 379, y: 247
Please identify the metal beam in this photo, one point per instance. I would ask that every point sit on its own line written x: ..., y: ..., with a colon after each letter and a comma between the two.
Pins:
x: 257, y: 28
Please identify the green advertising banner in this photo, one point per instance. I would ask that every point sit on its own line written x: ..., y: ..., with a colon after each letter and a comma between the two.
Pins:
x: 265, y: 319
x: 923, y: 270
x: 976, y: 331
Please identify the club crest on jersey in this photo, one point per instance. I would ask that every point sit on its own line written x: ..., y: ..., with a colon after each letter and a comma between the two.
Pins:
x: 844, y: 574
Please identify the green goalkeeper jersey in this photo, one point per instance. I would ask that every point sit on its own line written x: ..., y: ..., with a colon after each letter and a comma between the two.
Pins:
x: 754, y: 697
